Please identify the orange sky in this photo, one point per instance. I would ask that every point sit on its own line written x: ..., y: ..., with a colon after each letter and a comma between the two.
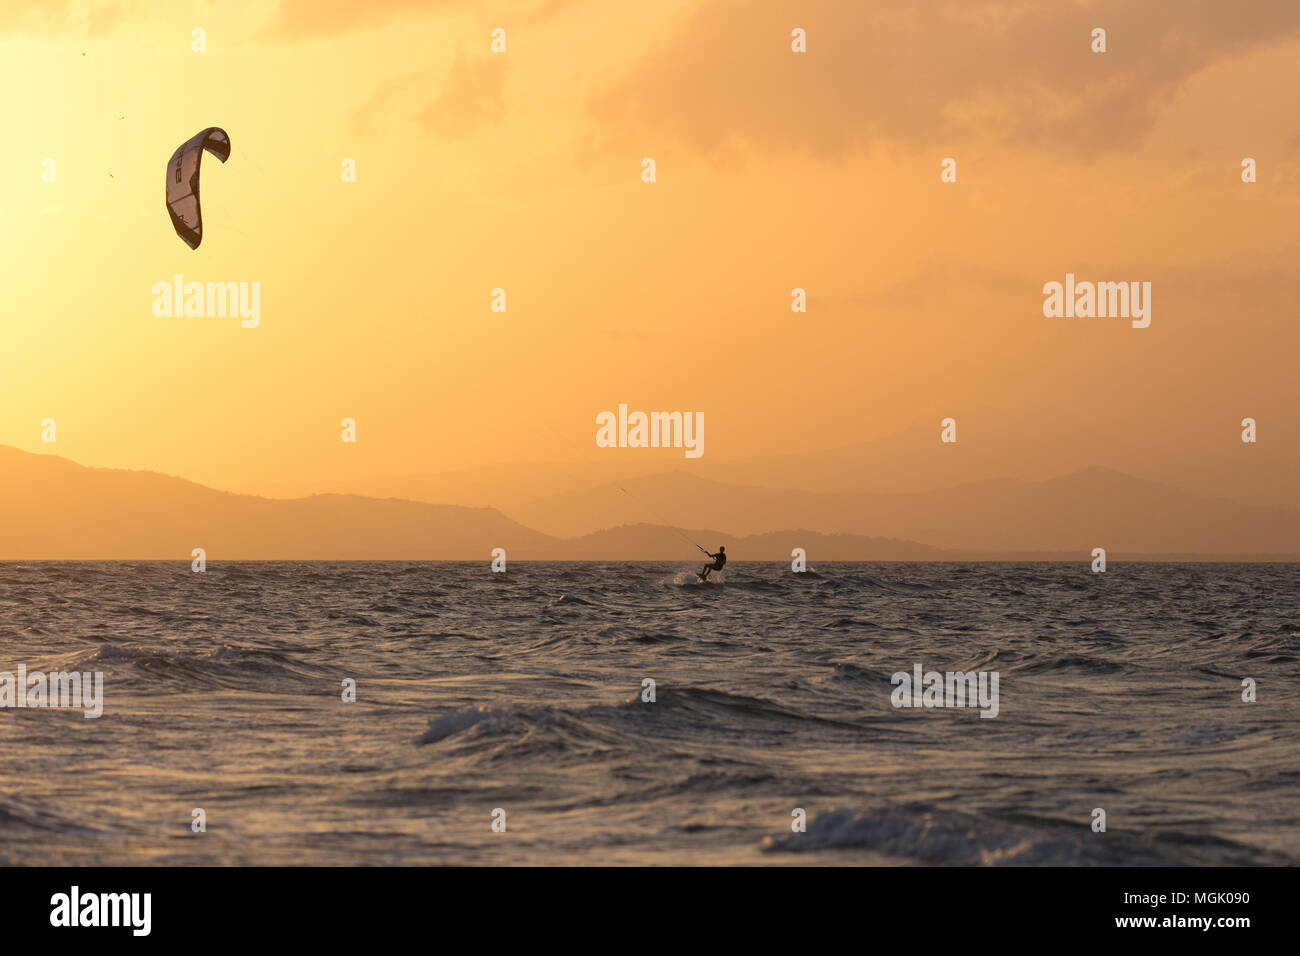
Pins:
x: 522, y: 170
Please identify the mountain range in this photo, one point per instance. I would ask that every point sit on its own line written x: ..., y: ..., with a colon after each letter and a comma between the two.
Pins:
x: 52, y: 508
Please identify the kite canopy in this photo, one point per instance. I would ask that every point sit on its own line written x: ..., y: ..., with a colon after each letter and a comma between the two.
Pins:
x: 183, y: 181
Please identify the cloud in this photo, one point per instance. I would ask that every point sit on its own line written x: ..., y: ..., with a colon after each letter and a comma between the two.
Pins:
x: 381, y: 103
x: 304, y: 18
x: 944, y: 285
x: 471, y: 98
x: 930, y: 73
x: 295, y: 19
x: 83, y: 18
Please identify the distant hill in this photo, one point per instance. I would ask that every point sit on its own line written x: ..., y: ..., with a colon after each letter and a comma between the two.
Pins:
x: 1095, y: 507
x: 477, y: 486
x: 52, y: 508
x: 1202, y: 456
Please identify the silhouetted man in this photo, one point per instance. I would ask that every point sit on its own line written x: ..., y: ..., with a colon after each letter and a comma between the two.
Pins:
x: 719, y: 561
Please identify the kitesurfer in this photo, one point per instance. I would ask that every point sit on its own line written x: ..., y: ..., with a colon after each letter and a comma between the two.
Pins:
x: 719, y: 562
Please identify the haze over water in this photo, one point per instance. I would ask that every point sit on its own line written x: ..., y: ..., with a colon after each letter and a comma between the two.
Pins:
x: 522, y: 691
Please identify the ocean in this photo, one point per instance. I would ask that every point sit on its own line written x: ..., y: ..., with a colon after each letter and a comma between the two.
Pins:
x: 503, y: 719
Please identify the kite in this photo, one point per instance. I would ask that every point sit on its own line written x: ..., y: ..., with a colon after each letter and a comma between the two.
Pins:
x: 183, y: 181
